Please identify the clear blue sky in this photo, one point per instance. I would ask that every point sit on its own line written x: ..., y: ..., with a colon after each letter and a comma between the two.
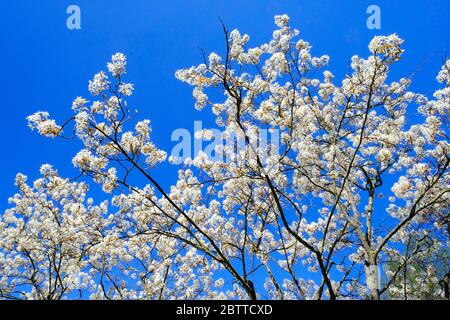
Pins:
x: 45, y: 65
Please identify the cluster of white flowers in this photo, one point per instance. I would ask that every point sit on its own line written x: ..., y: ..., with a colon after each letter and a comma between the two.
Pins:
x: 99, y: 83
x: 204, y: 134
x: 281, y: 20
x: 444, y: 75
x: 118, y: 63
x: 126, y: 89
x: 45, y: 126
x: 389, y: 46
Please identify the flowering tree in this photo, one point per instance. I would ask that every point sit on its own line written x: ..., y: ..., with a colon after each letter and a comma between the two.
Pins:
x: 351, y: 201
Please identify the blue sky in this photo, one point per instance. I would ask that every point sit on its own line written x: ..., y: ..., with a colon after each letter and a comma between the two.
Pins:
x: 45, y: 65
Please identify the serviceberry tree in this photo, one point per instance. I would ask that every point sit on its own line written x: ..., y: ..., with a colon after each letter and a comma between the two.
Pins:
x: 351, y: 202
